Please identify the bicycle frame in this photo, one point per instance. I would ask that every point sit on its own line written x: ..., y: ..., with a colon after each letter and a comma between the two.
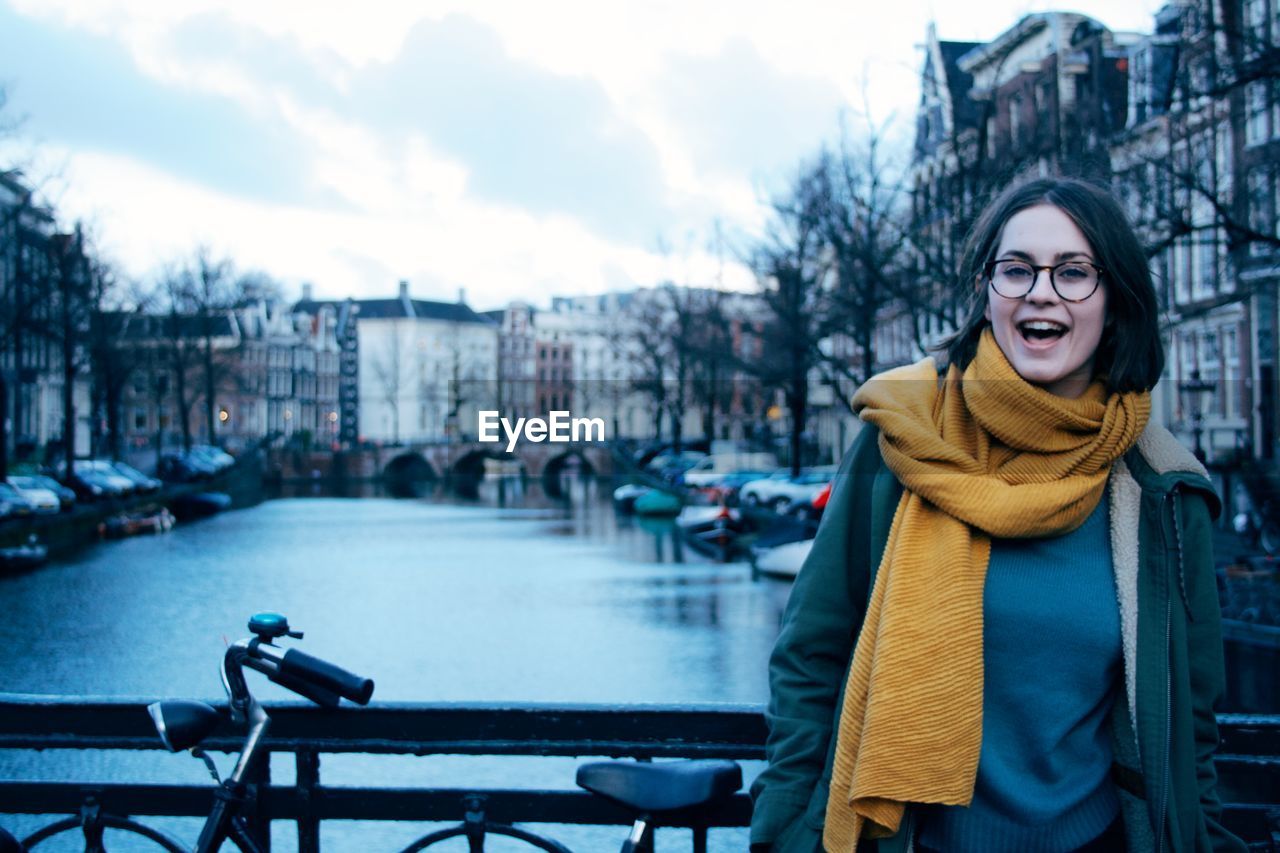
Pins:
x: 224, y: 819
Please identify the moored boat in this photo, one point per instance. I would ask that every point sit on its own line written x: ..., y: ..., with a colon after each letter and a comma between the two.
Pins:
x: 147, y: 520
x: 713, y: 529
x: 199, y: 504
x: 782, y: 561
x: 18, y: 558
x: 625, y: 496
x: 658, y: 502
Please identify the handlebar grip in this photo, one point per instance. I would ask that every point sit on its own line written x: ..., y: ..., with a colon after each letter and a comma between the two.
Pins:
x: 322, y: 696
x: 326, y: 675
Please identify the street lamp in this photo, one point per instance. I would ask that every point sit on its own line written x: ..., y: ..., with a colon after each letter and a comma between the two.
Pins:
x: 1193, y: 388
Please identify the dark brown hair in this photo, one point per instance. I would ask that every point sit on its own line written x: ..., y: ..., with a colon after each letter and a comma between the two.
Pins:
x: 1130, y: 356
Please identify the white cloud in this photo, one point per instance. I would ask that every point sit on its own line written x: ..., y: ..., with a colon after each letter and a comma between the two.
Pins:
x: 406, y: 208
x: 494, y: 253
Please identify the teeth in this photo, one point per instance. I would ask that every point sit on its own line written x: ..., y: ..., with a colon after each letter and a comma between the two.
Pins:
x: 1043, y: 326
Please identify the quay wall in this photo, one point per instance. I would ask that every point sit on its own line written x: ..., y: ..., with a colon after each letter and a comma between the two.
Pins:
x: 67, y: 532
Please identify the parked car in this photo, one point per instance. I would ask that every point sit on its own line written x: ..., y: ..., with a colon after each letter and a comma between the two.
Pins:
x: 725, y: 487
x: 815, y: 507
x: 780, y: 493
x: 91, y: 484
x: 220, y: 459
x: 708, y: 469
x: 141, y: 481
x: 42, y: 499
x: 12, y: 504
x: 670, y: 466
x: 106, y: 471
x: 184, y: 468
x: 66, y: 497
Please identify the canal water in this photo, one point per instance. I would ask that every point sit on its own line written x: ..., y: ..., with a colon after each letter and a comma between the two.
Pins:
x: 437, y: 600
x: 512, y: 597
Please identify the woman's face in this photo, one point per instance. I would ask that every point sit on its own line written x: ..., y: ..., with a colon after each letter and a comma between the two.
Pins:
x: 1060, y: 363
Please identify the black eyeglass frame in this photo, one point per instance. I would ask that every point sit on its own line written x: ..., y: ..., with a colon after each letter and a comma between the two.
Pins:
x: 989, y: 269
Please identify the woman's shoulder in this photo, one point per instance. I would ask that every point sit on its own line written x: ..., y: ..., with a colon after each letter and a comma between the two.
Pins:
x: 1160, y: 462
x: 1165, y: 455
x: 863, y: 456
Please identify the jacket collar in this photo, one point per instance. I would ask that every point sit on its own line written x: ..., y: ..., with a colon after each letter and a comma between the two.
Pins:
x: 1159, y: 462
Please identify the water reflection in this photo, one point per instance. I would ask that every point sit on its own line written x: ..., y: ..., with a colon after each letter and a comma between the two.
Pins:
x: 510, y: 595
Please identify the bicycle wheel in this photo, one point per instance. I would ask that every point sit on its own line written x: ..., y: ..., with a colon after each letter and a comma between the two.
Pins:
x: 509, y: 831
x: 110, y: 822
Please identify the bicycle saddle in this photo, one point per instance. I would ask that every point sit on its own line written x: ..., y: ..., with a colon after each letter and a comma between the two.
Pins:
x: 661, y: 787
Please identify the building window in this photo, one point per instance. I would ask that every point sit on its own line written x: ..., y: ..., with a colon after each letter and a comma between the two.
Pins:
x: 1275, y: 100
x: 1186, y: 365
x: 1275, y: 204
x: 1204, y: 264
x: 1255, y: 26
x: 1256, y: 130
x: 1261, y: 215
x: 1211, y: 370
x: 1180, y: 270
x: 1015, y: 120
x: 1231, y: 373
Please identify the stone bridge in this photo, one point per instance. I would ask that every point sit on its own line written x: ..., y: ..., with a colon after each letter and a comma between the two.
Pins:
x: 544, y: 460
x: 405, y: 467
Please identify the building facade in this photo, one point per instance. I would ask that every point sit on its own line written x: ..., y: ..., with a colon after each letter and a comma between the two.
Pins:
x: 276, y: 375
x: 425, y: 370
x: 1183, y: 123
x: 44, y: 311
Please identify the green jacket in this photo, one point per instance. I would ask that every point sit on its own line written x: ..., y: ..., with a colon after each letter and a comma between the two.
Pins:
x: 1164, y: 727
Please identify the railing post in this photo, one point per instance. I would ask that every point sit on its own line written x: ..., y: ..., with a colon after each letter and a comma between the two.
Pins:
x: 308, y: 775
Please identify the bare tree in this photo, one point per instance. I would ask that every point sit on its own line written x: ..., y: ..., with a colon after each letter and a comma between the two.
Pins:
x: 681, y: 316
x: 73, y: 313
x: 792, y: 269
x: 647, y: 343
x: 208, y: 296
x: 113, y: 361
x: 388, y: 371
x: 178, y: 346
x: 863, y: 202
x: 1181, y: 188
x: 714, y: 364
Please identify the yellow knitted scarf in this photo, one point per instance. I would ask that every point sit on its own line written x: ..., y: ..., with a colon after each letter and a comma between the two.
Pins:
x: 983, y: 454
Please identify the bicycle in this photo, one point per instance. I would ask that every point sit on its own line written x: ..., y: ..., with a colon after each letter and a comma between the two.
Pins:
x: 183, y: 724
x: 653, y: 794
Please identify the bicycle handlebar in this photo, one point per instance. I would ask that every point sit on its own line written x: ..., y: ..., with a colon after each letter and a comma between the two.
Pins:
x: 321, y: 696
x: 322, y: 682
x: 304, y: 667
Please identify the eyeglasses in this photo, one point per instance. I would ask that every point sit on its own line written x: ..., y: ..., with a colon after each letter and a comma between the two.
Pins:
x: 1074, y: 281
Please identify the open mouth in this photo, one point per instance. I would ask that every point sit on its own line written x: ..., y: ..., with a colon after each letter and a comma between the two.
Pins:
x: 1040, y: 332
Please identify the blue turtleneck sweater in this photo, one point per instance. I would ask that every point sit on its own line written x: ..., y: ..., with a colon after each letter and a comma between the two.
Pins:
x: 1052, y: 668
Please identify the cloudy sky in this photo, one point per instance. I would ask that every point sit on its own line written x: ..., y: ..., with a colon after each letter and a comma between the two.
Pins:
x: 513, y: 149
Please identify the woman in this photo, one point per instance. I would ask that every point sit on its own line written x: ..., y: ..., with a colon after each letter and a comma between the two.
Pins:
x: 1006, y: 636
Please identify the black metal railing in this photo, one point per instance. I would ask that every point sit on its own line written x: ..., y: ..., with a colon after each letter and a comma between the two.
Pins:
x: 1248, y: 760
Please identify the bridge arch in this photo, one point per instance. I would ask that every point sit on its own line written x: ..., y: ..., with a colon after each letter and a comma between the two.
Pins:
x: 572, y: 462
x: 405, y: 475
x: 467, y: 472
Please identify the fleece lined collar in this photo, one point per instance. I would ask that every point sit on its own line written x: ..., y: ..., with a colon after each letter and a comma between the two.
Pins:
x: 1159, y: 462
